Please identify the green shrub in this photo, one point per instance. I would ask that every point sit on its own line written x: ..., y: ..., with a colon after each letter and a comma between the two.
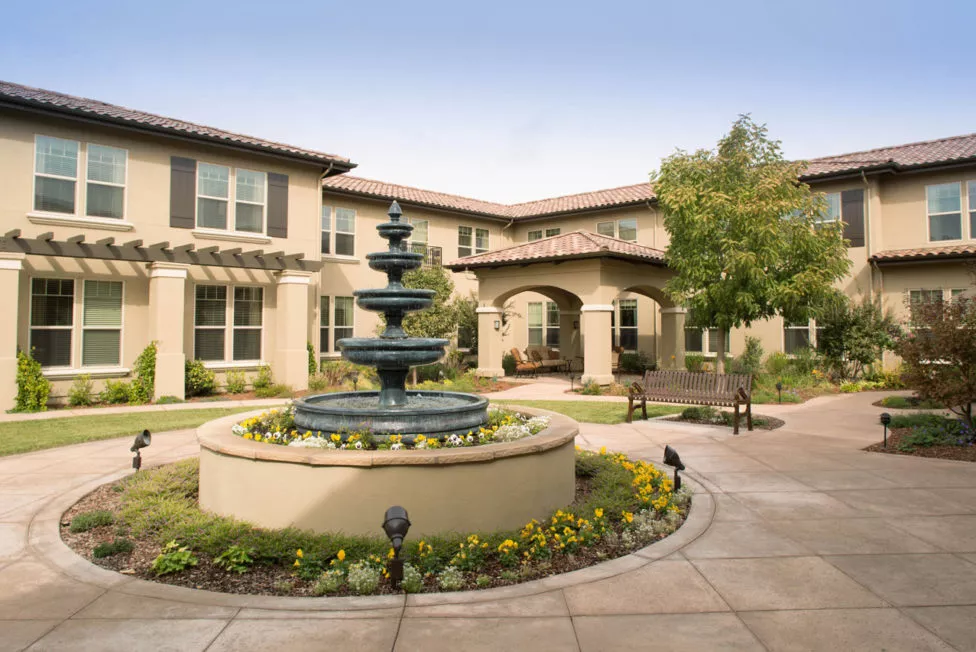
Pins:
x: 312, y: 364
x: 750, y: 361
x: 117, y: 547
x: 886, y: 379
x: 235, y: 382
x: 173, y: 559
x: 33, y: 388
x: 509, y: 364
x: 694, y: 362
x: 804, y: 361
x: 777, y: 363
x: 945, y: 432
x: 916, y: 419
x: 592, y: 388
x: 636, y: 363
x: 198, y: 380
x: 235, y: 559
x: 274, y: 391
x: 116, y: 392
x: 144, y: 383
x: 903, y: 403
x: 700, y: 413
x: 82, y: 393
x: 317, y: 382
x: 91, y: 520
x: 264, y: 379
x: 169, y: 400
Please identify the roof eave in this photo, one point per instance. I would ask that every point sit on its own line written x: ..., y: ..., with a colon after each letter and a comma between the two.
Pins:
x: 460, y: 267
x: 579, y: 211
x: 409, y: 202
x: 922, y: 258
x: 337, y: 166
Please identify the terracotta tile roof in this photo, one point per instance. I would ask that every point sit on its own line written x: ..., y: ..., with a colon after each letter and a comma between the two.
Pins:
x: 567, y: 246
x: 926, y: 253
x: 622, y: 196
x: 28, y: 96
x: 371, y: 188
x: 911, y: 155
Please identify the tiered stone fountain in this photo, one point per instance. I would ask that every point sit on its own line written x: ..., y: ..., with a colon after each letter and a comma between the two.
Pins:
x: 393, y: 410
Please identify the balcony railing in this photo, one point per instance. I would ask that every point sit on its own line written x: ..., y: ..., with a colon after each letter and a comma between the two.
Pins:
x: 433, y: 256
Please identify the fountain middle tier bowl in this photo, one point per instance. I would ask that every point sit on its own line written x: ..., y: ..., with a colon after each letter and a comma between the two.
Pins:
x: 395, y: 299
x: 392, y: 353
x: 426, y: 413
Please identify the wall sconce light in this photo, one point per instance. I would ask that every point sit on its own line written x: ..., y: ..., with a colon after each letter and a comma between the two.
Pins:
x: 498, y: 325
x: 143, y: 439
x: 576, y: 325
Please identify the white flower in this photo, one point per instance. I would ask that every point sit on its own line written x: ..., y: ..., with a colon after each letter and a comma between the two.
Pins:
x: 359, y: 445
x: 396, y: 447
x: 470, y: 439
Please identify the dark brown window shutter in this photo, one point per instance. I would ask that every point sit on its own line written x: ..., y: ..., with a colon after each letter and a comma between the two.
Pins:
x: 182, y: 193
x: 852, y: 213
x: 277, y: 205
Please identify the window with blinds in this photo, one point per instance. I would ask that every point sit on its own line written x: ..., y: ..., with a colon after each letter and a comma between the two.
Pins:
x: 101, y: 338
x: 345, y: 232
x: 213, y: 195
x: 796, y: 336
x: 323, y: 325
x: 535, y: 323
x: 51, y: 320
x: 248, y: 304
x: 343, y: 319
x: 250, y: 201
x: 105, y: 189
x: 55, y: 174
x: 209, y: 322
x: 628, y: 324
x: 552, y: 325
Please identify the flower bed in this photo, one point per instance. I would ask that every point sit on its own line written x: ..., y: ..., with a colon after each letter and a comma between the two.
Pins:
x: 278, y: 427
x: 621, y: 505
x: 929, y: 435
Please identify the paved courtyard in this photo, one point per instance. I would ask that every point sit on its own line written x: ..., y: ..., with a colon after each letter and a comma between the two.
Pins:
x: 798, y: 541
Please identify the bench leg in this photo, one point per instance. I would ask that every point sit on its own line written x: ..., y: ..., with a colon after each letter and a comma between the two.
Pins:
x: 735, y: 420
x: 630, y: 409
x: 644, y: 407
x: 749, y: 415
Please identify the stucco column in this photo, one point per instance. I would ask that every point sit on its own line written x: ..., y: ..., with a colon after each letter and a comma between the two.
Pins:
x: 290, y: 357
x: 167, y: 290
x: 673, y: 338
x: 597, y: 343
x: 569, y: 339
x: 489, y: 342
x: 10, y: 266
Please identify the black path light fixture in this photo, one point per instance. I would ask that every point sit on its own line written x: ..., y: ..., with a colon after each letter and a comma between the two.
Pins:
x: 142, y: 440
x: 396, y: 524
x: 779, y: 390
x: 885, y: 421
x: 671, y: 458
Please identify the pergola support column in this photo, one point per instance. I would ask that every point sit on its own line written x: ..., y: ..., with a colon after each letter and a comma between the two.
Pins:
x: 597, y: 343
x: 673, y: 338
x: 290, y: 361
x: 489, y: 342
x: 167, y: 288
x: 10, y: 266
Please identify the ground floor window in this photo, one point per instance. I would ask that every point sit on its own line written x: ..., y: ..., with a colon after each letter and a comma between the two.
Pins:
x: 704, y: 340
x: 52, y: 321
x: 213, y: 329
x: 552, y: 324
x: 101, y: 339
x: 627, y: 332
x: 324, y: 325
x: 796, y: 336
x: 343, y: 320
x: 543, y: 324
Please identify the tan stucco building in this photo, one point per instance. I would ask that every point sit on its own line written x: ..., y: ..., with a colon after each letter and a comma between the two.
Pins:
x: 122, y: 227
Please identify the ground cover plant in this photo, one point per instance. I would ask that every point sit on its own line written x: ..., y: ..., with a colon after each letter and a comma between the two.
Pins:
x: 708, y: 415
x: 26, y: 436
x: 621, y: 505
x: 929, y: 435
x: 594, y: 411
x: 909, y: 403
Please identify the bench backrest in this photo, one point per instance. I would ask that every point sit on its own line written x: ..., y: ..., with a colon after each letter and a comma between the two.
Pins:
x: 696, y: 384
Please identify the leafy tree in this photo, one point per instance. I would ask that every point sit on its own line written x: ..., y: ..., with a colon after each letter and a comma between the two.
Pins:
x: 851, y: 336
x: 467, y: 321
x: 441, y: 319
x: 939, y: 354
x: 746, y: 243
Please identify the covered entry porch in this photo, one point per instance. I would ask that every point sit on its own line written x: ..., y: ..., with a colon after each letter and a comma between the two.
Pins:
x: 582, y: 273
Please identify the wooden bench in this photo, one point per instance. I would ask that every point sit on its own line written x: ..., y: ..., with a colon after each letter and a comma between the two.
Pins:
x: 719, y: 390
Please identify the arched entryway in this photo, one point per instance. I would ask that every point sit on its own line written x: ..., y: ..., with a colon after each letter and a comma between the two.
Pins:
x: 583, y: 273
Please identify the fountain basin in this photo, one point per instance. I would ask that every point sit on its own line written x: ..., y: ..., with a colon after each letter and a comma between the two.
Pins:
x: 429, y: 413
x: 477, y: 489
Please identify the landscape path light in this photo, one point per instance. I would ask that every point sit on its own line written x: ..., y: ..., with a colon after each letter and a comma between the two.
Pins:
x: 671, y: 458
x: 396, y: 524
x: 142, y: 440
x: 779, y: 390
x: 885, y: 420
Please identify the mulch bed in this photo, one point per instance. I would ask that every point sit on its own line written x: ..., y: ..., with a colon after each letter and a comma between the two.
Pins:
x: 277, y: 580
x: 771, y: 423
x: 960, y: 453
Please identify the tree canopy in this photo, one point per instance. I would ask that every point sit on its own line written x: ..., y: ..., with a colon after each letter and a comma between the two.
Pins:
x: 747, y: 240
x: 441, y: 319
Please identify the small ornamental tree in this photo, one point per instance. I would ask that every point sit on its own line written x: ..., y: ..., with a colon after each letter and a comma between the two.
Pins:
x: 747, y: 242
x: 852, y: 335
x: 441, y: 319
x: 939, y: 354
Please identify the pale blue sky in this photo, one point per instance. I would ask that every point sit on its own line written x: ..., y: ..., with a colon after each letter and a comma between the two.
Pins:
x: 512, y: 101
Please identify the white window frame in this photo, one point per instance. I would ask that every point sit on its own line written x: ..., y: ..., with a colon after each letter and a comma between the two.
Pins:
x: 619, y: 323
x: 809, y: 328
x: 487, y: 247
x: 75, y: 179
x: 229, y: 327
x: 74, y: 317
x: 970, y: 206
x: 231, y: 226
x: 962, y: 212
x: 121, y: 328
x: 828, y: 219
x: 333, y: 230
x: 414, y: 241
x: 263, y: 204
x: 335, y: 327
x: 541, y: 327
x: 326, y: 314
x: 123, y: 185
x: 553, y: 232
x: 616, y: 228
x: 707, y: 342
x: 532, y: 236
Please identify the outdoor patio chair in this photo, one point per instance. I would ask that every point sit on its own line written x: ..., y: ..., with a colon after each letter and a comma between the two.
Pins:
x: 523, y: 366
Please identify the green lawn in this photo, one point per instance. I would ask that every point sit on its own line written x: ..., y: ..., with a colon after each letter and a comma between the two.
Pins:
x: 26, y: 436
x: 594, y: 411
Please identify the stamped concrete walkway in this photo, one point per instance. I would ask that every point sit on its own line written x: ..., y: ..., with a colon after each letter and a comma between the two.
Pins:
x: 797, y: 541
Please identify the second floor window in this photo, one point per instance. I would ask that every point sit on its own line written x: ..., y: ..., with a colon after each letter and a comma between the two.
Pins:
x: 472, y: 241
x: 621, y: 229
x: 56, y: 178
x: 944, y: 208
x: 539, y: 234
x: 338, y: 238
x: 418, y: 239
x: 214, y: 198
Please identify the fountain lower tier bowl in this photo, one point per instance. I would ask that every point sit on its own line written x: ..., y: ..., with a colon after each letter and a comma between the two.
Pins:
x: 392, y: 353
x: 426, y: 413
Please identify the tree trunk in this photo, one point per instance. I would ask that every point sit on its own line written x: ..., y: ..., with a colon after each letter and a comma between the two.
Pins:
x: 720, y: 353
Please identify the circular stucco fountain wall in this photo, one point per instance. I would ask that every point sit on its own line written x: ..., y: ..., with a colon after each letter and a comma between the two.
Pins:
x: 476, y: 489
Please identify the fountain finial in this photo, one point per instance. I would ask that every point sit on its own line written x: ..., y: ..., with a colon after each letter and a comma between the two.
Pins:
x: 395, y: 212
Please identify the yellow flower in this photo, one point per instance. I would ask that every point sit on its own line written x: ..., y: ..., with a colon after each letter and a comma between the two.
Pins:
x: 598, y: 512
x: 341, y: 555
x: 390, y: 554
x: 297, y: 563
x: 629, y: 517
x: 300, y: 554
x: 603, y: 450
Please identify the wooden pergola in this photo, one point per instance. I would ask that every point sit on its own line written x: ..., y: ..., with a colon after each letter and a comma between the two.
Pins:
x: 160, y: 252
